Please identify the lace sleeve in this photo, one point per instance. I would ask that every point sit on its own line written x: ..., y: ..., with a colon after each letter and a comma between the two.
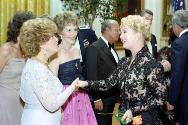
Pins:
x: 157, y: 87
x: 113, y: 80
x: 48, y: 89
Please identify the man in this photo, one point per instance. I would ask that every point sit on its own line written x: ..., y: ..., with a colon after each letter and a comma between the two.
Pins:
x: 86, y: 36
x: 152, y: 45
x: 101, y: 60
x: 179, y: 71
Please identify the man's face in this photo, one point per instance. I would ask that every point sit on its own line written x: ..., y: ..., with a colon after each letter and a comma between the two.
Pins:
x: 176, y: 30
x: 148, y: 17
x: 114, y: 32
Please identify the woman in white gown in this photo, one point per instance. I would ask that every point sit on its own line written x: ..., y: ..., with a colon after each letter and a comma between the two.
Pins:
x: 40, y: 89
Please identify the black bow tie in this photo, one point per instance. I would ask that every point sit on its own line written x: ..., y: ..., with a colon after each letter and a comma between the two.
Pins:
x: 110, y: 46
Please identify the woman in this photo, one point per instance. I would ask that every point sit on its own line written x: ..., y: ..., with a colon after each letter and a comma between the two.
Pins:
x: 40, y: 89
x: 69, y: 69
x: 139, y: 78
x: 11, y: 65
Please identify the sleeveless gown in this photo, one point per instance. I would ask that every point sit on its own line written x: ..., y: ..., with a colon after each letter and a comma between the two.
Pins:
x: 10, y: 105
x: 77, y: 110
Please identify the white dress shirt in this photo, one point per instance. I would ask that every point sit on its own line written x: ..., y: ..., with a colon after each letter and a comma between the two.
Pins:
x: 112, y: 50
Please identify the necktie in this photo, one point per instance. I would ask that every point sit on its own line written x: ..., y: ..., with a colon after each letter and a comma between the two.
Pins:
x: 110, y: 46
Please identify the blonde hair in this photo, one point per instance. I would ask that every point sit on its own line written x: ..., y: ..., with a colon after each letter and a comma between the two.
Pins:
x: 64, y: 19
x: 139, y: 24
x: 34, y: 33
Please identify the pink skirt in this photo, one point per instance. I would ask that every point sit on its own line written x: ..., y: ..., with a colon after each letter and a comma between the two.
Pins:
x: 78, y: 110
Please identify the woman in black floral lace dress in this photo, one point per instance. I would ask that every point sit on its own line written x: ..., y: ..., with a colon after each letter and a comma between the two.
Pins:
x: 140, y: 78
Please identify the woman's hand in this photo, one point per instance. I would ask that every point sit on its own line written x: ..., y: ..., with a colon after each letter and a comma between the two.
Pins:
x: 79, y: 83
x: 74, y: 84
x: 166, y: 65
x: 82, y: 84
x: 169, y: 106
x: 128, y: 116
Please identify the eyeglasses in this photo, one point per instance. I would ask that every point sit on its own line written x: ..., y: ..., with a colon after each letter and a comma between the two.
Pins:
x: 58, y: 37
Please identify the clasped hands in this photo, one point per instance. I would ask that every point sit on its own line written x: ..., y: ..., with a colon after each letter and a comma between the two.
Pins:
x: 79, y: 83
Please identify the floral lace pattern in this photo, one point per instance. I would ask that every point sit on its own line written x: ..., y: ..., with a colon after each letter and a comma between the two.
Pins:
x: 142, y: 84
x: 40, y: 87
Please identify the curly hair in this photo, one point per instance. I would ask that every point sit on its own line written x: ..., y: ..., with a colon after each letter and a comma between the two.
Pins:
x: 139, y: 24
x: 64, y: 19
x: 35, y: 32
x: 16, y: 23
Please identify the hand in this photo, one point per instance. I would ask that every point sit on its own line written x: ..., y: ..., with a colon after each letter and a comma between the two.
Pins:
x: 82, y: 84
x: 98, y: 105
x: 166, y: 65
x: 128, y: 116
x: 169, y: 106
x: 74, y: 83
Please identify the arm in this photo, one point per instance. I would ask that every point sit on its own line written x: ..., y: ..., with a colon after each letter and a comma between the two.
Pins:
x: 177, y: 72
x: 113, y: 80
x: 4, y: 57
x: 48, y: 89
x: 157, y: 87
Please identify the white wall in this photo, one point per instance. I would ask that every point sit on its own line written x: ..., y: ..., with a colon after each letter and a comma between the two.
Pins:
x: 55, y: 7
x: 157, y: 7
x: 186, y: 4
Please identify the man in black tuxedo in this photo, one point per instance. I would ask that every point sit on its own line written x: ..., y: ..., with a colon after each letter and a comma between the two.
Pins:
x: 101, y: 60
x: 152, y: 45
x: 86, y: 36
x: 179, y: 71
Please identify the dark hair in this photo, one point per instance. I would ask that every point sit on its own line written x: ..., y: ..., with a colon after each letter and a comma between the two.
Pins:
x: 16, y: 23
x: 142, y: 12
x: 107, y: 24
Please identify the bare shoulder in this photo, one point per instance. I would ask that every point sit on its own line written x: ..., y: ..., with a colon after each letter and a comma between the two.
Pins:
x: 5, y: 55
x: 76, y: 51
x: 5, y: 50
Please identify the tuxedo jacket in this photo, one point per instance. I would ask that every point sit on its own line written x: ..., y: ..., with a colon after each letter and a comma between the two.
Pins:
x: 179, y: 74
x: 85, y: 37
x: 153, y: 44
x: 100, y: 63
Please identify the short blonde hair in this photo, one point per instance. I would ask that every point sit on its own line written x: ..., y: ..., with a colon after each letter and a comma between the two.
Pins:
x: 139, y: 24
x: 64, y: 19
x: 34, y: 33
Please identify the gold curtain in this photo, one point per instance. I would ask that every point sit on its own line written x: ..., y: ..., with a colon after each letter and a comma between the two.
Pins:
x: 9, y: 7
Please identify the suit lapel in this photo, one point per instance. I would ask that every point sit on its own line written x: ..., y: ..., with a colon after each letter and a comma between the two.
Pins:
x: 107, y: 51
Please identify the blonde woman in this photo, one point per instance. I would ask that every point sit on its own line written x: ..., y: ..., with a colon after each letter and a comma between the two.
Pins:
x: 40, y: 89
x: 139, y: 77
x: 78, y: 109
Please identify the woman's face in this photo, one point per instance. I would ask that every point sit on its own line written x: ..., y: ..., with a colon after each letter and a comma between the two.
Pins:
x: 69, y: 34
x: 127, y: 37
x: 51, y: 45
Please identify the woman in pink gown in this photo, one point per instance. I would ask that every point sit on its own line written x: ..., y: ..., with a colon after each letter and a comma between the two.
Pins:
x: 77, y: 110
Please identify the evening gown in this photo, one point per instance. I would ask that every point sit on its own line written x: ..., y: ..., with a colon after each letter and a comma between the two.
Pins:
x: 10, y: 105
x: 42, y: 93
x: 77, y: 110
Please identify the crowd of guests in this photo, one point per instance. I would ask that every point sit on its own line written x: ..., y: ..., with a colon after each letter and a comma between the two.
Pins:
x: 53, y: 73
